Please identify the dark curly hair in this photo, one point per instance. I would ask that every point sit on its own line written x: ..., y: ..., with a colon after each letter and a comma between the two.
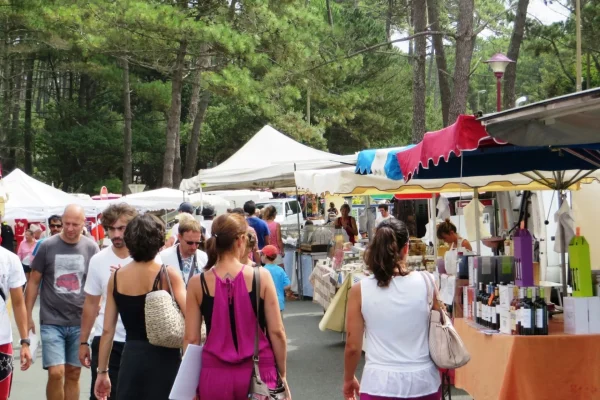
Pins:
x: 144, y: 237
x: 384, y: 254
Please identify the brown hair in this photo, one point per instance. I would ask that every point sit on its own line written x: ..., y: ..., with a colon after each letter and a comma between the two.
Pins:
x: 384, y: 254
x: 269, y: 212
x: 187, y: 225
x: 144, y: 236
x: 116, y: 211
x: 225, y: 230
x: 445, y: 228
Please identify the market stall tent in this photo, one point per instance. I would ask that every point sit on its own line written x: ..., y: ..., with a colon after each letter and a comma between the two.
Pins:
x: 267, y: 160
x: 31, y: 199
x: 170, y: 199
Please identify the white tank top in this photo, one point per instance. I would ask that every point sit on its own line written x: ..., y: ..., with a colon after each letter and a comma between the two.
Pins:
x: 397, y: 326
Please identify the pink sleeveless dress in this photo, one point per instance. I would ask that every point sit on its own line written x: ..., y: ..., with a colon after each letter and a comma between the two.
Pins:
x: 226, y: 370
x: 274, y: 234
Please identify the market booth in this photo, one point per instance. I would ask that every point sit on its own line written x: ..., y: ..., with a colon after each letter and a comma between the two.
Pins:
x: 503, y: 366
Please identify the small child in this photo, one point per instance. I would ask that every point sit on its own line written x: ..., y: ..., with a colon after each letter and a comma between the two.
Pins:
x: 282, y: 282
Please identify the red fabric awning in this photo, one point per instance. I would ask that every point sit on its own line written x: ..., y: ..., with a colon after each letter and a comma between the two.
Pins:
x: 464, y: 135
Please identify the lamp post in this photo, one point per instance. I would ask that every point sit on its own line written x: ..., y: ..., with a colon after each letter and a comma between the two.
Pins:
x: 498, y: 64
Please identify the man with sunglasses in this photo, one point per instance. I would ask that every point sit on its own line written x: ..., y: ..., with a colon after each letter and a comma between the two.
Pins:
x: 55, y: 225
x: 187, y: 254
x: 114, y: 220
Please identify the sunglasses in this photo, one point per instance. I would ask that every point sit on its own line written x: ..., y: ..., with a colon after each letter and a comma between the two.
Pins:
x: 55, y: 225
x: 189, y: 243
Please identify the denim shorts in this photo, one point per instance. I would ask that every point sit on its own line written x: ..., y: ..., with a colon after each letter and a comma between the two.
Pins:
x: 60, y: 345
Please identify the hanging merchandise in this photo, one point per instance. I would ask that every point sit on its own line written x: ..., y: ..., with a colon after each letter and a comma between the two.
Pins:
x: 581, y: 271
x: 523, y: 249
x: 443, y: 207
x: 470, y: 213
x: 564, y: 218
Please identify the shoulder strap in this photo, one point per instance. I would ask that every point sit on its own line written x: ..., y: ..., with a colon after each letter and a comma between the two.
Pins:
x: 193, y: 267
x: 430, y: 290
x: 257, y: 279
x: 164, y: 270
x: 115, y: 282
x: 204, y: 285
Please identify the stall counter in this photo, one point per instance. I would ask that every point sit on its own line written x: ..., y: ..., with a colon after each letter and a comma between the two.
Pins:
x: 553, y: 367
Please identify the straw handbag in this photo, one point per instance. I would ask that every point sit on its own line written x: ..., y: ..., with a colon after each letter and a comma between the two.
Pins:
x: 446, y: 348
x: 164, y: 321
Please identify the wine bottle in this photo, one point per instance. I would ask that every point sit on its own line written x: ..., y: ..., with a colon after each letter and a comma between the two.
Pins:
x: 520, y: 310
x: 495, y: 306
x: 541, y: 314
x: 480, y: 304
x: 513, y: 311
x: 528, y: 315
x: 486, y: 307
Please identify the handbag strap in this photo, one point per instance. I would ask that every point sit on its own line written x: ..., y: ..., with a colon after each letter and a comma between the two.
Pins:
x: 163, y: 269
x: 429, y: 283
x: 257, y: 279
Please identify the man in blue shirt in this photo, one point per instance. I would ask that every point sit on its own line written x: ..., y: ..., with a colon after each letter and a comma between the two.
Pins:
x: 280, y: 278
x: 260, y: 226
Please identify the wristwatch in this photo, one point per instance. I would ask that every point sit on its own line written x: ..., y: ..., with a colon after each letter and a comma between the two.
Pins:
x: 25, y: 341
x: 101, y: 372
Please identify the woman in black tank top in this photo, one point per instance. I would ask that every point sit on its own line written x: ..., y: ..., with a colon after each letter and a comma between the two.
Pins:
x: 147, y: 371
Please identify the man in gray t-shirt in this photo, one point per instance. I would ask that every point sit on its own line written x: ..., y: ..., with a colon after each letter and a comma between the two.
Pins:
x: 61, y: 264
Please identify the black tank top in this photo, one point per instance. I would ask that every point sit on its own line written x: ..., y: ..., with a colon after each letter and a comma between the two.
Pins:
x: 131, y: 309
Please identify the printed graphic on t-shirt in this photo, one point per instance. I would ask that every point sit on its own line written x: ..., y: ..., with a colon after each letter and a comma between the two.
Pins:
x: 68, y: 273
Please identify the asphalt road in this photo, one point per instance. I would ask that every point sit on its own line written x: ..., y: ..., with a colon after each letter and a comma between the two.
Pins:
x: 315, y: 361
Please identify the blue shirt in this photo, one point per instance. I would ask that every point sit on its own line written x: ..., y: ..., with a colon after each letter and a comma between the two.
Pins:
x: 37, y: 246
x: 281, y: 281
x: 261, y: 228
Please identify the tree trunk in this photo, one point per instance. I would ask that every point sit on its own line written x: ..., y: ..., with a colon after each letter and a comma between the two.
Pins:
x: 388, y: 20
x: 510, y: 76
x: 191, y: 158
x: 419, y: 61
x: 174, y: 116
x: 13, y: 139
x: 464, y: 54
x: 329, y: 13
x: 433, y: 9
x: 127, y: 135
x: 28, y: 135
x: 195, y: 97
x: 177, y: 162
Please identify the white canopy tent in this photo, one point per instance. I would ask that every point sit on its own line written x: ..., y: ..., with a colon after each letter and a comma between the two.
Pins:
x: 346, y: 181
x: 170, y: 199
x: 267, y: 160
x: 33, y: 200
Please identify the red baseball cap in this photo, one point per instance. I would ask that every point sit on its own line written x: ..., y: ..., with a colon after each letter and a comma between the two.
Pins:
x: 270, y: 251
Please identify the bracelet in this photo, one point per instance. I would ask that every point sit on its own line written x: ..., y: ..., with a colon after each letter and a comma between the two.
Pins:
x: 84, y: 344
x: 102, y: 372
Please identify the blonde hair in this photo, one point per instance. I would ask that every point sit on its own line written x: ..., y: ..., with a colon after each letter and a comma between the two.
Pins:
x: 187, y: 225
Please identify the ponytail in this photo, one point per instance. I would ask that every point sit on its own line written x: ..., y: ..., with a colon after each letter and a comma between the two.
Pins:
x: 211, y: 251
x: 384, y: 255
x: 225, y: 230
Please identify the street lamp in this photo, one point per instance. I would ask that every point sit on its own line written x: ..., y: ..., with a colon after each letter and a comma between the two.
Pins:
x: 498, y: 64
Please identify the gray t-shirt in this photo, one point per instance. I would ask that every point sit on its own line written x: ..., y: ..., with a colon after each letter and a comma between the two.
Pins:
x: 64, y: 268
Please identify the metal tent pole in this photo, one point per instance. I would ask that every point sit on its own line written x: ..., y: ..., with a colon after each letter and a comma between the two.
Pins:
x: 297, y: 254
x: 563, y: 258
x: 477, y: 223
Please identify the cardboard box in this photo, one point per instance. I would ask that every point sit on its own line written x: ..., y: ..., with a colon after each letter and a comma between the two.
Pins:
x: 523, y: 251
x: 472, y: 277
x: 505, y: 269
x: 468, y: 298
x: 505, y: 326
x: 506, y: 295
x: 594, y: 314
x: 458, y: 304
x: 576, y: 310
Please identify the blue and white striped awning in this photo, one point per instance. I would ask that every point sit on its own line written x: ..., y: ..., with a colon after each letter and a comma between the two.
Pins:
x: 381, y: 162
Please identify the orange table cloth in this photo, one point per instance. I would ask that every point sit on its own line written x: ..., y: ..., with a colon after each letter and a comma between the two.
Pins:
x: 553, y: 367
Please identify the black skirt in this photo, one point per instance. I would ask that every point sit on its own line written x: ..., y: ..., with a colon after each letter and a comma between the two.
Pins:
x: 147, y: 371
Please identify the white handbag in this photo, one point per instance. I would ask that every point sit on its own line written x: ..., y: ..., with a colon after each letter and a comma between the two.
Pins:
x: 446, y: 348
x: 165, y: 325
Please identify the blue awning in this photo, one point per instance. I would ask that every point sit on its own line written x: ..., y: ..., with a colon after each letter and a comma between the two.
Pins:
x: 382, y: 162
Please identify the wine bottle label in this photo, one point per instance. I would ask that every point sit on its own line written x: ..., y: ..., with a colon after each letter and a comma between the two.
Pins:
x: 493, y: 312
x: 526, y: 318
x: 539, y: 318
x: 486, y: 314
x: 513, y: 319
x: 519, y: 316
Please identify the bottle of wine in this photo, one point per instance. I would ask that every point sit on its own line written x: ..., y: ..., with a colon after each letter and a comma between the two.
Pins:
x: 520, y: 310
x: 486, y: 305
x: 528, y: 315
x: 479, y: 319
x: 495, y: 307
x: 513, y: 311
x: 541, y: 314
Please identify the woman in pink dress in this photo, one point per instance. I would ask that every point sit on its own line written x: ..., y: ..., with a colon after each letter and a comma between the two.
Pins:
x: 269, y: 215
x: 25, y: 251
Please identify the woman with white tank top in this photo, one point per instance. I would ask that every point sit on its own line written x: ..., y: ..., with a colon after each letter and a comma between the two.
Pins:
x: 391, y: 307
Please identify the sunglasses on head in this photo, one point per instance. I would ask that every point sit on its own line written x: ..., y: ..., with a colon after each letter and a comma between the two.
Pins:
x: 190, y: 243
